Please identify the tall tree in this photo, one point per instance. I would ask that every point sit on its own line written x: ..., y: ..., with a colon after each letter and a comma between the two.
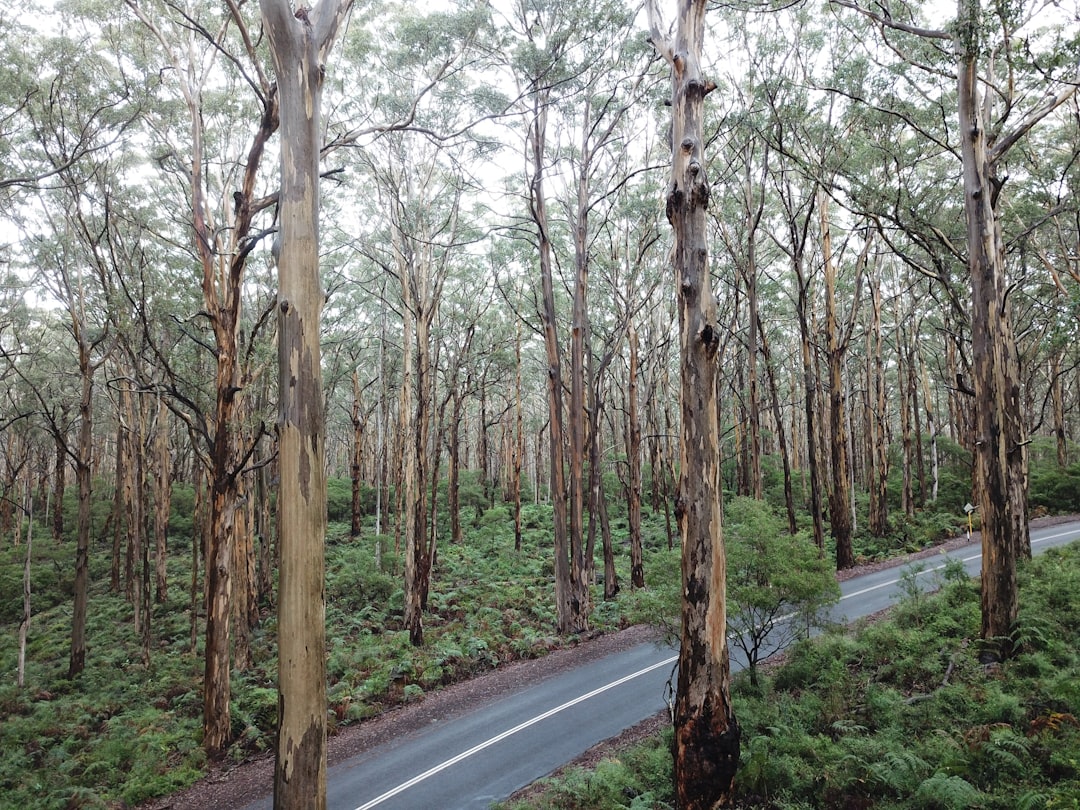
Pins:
x: 994, y: 113
x: 706, y: 742
x: 223, y: 234
x: 300, y: 43
x: 838, y: 338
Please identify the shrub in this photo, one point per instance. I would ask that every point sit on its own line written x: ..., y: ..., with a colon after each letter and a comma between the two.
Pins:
x: 779, y: 586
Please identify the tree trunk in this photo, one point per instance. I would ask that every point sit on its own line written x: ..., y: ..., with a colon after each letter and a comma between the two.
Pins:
x: 839, y: 494
x: 162, y: 503
x: 706, y: 741
x: 581, y: 558
x: 453, y: 487
x: 1058, y: 398
x: 519, y: 438
x: 356, y: 523
x: 633, y: 457
x: 571, y: 598
x: 83, y: 469
x: 810, y: 406
x: 781, y: 436
x: 60, y: 478
x: 916, y: 420
x: 118, y: 511
x: 1000, y: 464
x: 753, y: 217
x: 931, y: 429
x: 24, y: 625
x: 879, y: 446
x: 907, y: 496
x: 299, y: 43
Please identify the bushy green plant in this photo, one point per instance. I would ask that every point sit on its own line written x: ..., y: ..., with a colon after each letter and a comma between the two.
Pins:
x: 1055, y: 489
x: 779, y: 586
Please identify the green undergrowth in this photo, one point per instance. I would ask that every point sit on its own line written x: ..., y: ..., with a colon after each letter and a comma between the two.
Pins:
x: 895, y: 714
x: 124, y: 732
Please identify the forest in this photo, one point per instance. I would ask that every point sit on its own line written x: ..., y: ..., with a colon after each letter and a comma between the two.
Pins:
x: 446, y: 349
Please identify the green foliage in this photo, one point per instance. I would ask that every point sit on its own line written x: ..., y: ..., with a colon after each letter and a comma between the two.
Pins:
x: 941, y: 792
x: 778, y: 584
x: 1055, y: 489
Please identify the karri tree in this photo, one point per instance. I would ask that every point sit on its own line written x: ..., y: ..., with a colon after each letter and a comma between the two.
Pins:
x: 1008, y: 81
x: 706, y: 742
x: 299, y: 43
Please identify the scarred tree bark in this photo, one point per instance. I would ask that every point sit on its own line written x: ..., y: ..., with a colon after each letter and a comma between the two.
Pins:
x: 299, y: 44
x: 706, y: 742
x: 999, y: 439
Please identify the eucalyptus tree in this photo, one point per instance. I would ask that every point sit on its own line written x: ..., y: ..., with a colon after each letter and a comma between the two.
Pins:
x: 423, y: 204
x: 190, y: 47
x: 300, y: 43
x: 579, y: 73
x: 784, y: 116
x: 418, y: 172
x: 75, y: 128
x: 1009, y: 78
x: 706, y: 742
x: 62, y: 259
x: 630, y: 235
x: 542, y: 66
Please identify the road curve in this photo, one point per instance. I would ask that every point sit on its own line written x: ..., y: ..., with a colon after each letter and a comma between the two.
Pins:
x: 468, y: 762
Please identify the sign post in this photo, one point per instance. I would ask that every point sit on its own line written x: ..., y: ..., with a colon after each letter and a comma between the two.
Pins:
x: 969, y: 509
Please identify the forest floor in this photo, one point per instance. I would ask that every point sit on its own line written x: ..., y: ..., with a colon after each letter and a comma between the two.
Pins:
x: 234, y: 786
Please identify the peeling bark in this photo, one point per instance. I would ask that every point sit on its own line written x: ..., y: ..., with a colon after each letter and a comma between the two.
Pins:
x: 706, y: 742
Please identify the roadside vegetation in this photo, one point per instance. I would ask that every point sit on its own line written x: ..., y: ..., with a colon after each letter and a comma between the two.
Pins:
x: 124, y: 732
x: 895, y: 713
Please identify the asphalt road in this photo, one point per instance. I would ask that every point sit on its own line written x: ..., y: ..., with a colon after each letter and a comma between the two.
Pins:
x: 469, y: 762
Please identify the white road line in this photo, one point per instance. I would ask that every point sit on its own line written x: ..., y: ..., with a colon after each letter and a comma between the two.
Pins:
x: 442, y: 766
x: 500, y: 737
x: 887, y: 583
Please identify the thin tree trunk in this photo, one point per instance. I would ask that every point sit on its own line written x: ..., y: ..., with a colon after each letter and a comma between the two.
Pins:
x: 162, y: 503
x: 571, y: 604
x: 781, y: 437
x: 60, y: 477
x: 633, y: 457
x: 1058, y: 398
x: 519, y: 438
x: 907, y: 497
x: 357, y: 457
x: 83, y: 469
x: 931, y: 428
x: 839, y: 494
x: 118, y: 511
x: 916, y: 421
x: 879, y: 448
x: 24, y: 625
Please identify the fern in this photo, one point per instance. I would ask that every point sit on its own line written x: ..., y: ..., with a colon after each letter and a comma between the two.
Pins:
x: 1006, y: 752
x: 899, y: 771
x: 1031, y: 632
x: 844, y: 726
x: 947, y: 793
x: 1032, y: 800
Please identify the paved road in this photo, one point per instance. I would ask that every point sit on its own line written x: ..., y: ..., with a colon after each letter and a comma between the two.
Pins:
x: 469, y: 762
